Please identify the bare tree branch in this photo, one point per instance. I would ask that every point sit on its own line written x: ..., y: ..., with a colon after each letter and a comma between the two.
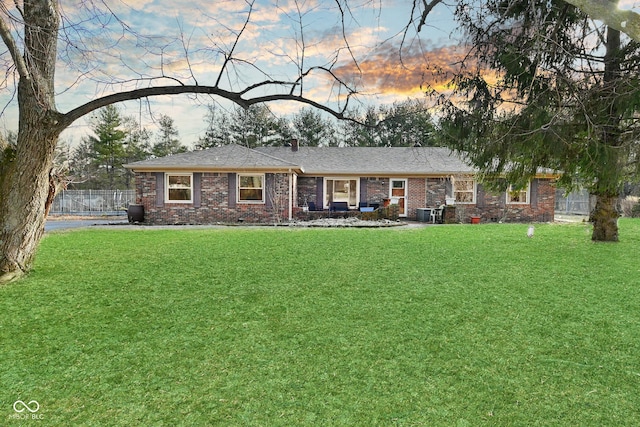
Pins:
x: 236, y: 97
x: 228, y: 56
x: 9, y: 41
x: 428, y: 7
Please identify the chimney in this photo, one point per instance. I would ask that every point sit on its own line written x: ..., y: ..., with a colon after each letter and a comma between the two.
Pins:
x: 294, y: 145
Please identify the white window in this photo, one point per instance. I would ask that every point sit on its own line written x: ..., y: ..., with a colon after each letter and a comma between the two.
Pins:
x: 251, y: 188
x: 341, y: 190
x: 464, y: 191
x: 179, y: 188
x: 518, y: 196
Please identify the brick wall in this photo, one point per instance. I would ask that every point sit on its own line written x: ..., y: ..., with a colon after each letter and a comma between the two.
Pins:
x: 417, y: 192
x: 214, y: 202
x: 436, y: 192
x: 377, y: 190
x: 430, y: 192
x: 493, y: 207
x: 306, y: 190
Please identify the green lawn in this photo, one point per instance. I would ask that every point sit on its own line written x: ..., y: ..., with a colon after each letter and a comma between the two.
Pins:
x: 442, y: 326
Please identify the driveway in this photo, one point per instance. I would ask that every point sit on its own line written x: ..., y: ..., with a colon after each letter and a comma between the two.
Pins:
x: 65, y: 224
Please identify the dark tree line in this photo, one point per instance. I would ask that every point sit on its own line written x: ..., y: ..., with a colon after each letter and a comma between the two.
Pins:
x: 405, y: 123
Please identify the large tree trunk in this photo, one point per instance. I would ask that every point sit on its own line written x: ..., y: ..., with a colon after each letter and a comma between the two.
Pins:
x: 26, y: 167
x: 605, y: 219
x: 25, y: 184
x: 605, y: 214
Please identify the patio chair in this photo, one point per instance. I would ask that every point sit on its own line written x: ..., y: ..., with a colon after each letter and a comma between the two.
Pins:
x: 436, y: 214
x: 339, y: 207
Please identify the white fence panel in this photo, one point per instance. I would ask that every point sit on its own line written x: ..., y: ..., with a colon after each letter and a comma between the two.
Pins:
x: 92, y: 201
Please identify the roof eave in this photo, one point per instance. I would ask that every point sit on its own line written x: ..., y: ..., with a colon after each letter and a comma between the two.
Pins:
x: 196, y: 168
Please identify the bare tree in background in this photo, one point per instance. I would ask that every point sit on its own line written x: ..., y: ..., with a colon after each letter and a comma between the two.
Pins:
x: 39, y: 33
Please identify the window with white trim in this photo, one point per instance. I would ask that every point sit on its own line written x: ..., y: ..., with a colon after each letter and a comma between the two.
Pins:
x: 251, y: 188
x: 179, y: 188
x: 464, y: 191
x: 518, y: 196
x: 340, y: 189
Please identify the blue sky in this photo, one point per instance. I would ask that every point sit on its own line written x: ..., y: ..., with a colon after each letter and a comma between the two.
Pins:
x: 126, y: 44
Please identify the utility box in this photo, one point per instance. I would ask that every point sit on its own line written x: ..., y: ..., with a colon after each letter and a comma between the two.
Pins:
x: 424, y: 214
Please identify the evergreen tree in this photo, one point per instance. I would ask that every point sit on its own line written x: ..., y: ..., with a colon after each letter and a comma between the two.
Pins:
x: 218, y: 129
x: 167, y: 141
x: 137, y: 146
x: 545, y: 86
x: 312, y: 130
x: 257, y: 126
x: 97, y: 161
x: 405, y: 124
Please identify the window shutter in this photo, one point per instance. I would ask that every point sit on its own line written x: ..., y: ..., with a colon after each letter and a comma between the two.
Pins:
x: 269, y: 190
x: 319, y: 190
x: 232, y: 177
x: 533, y: 193
x: 159, y: 189
x: 363, y: 189
x: 197, y: 185
x: 480, y: 196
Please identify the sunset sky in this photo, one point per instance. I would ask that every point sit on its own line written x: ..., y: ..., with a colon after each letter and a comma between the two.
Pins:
x: 130, y: 44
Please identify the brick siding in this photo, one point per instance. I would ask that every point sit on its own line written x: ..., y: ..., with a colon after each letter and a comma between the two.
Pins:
x: 422, y: 192
x: 214, y: 203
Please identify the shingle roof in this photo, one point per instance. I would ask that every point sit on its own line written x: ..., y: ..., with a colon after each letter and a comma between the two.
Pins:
x: 373, y: 161
x: 227, y: 157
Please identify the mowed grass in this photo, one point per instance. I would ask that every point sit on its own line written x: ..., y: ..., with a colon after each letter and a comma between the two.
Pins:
x: 440, y: 326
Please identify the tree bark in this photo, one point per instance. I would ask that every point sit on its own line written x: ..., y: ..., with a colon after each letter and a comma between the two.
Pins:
x: 25, y: 169
x: 605, y: 219
x: 605, y: 215
x: 24, y: 190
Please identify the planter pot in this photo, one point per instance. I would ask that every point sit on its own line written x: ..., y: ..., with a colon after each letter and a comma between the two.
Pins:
x: 475, y: 220
x: 135, y: 213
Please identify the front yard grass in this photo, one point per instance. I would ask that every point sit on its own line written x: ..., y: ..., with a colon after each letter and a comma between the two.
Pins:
x: 451, y: 325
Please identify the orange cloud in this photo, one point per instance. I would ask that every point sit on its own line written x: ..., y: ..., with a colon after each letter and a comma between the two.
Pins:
x: 390, y: 70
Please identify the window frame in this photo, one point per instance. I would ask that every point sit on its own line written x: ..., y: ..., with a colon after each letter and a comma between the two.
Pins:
x: 326, y: 197
x: 474, y: 191
x: 526, y: 191
x: 168, y: 187
x: 239, y: 188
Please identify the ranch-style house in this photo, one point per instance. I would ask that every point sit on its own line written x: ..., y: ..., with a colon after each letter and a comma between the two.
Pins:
x: 233, y: 183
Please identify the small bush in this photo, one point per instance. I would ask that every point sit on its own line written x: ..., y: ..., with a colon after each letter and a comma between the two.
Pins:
x: 369, y: 216
x: 391, y: 212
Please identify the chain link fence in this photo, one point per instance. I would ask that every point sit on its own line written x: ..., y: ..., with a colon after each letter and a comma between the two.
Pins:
x: 93, y: 202
x: 574, y: 203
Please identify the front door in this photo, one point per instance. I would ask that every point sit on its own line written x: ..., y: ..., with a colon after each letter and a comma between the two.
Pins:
x: 398, y: 194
